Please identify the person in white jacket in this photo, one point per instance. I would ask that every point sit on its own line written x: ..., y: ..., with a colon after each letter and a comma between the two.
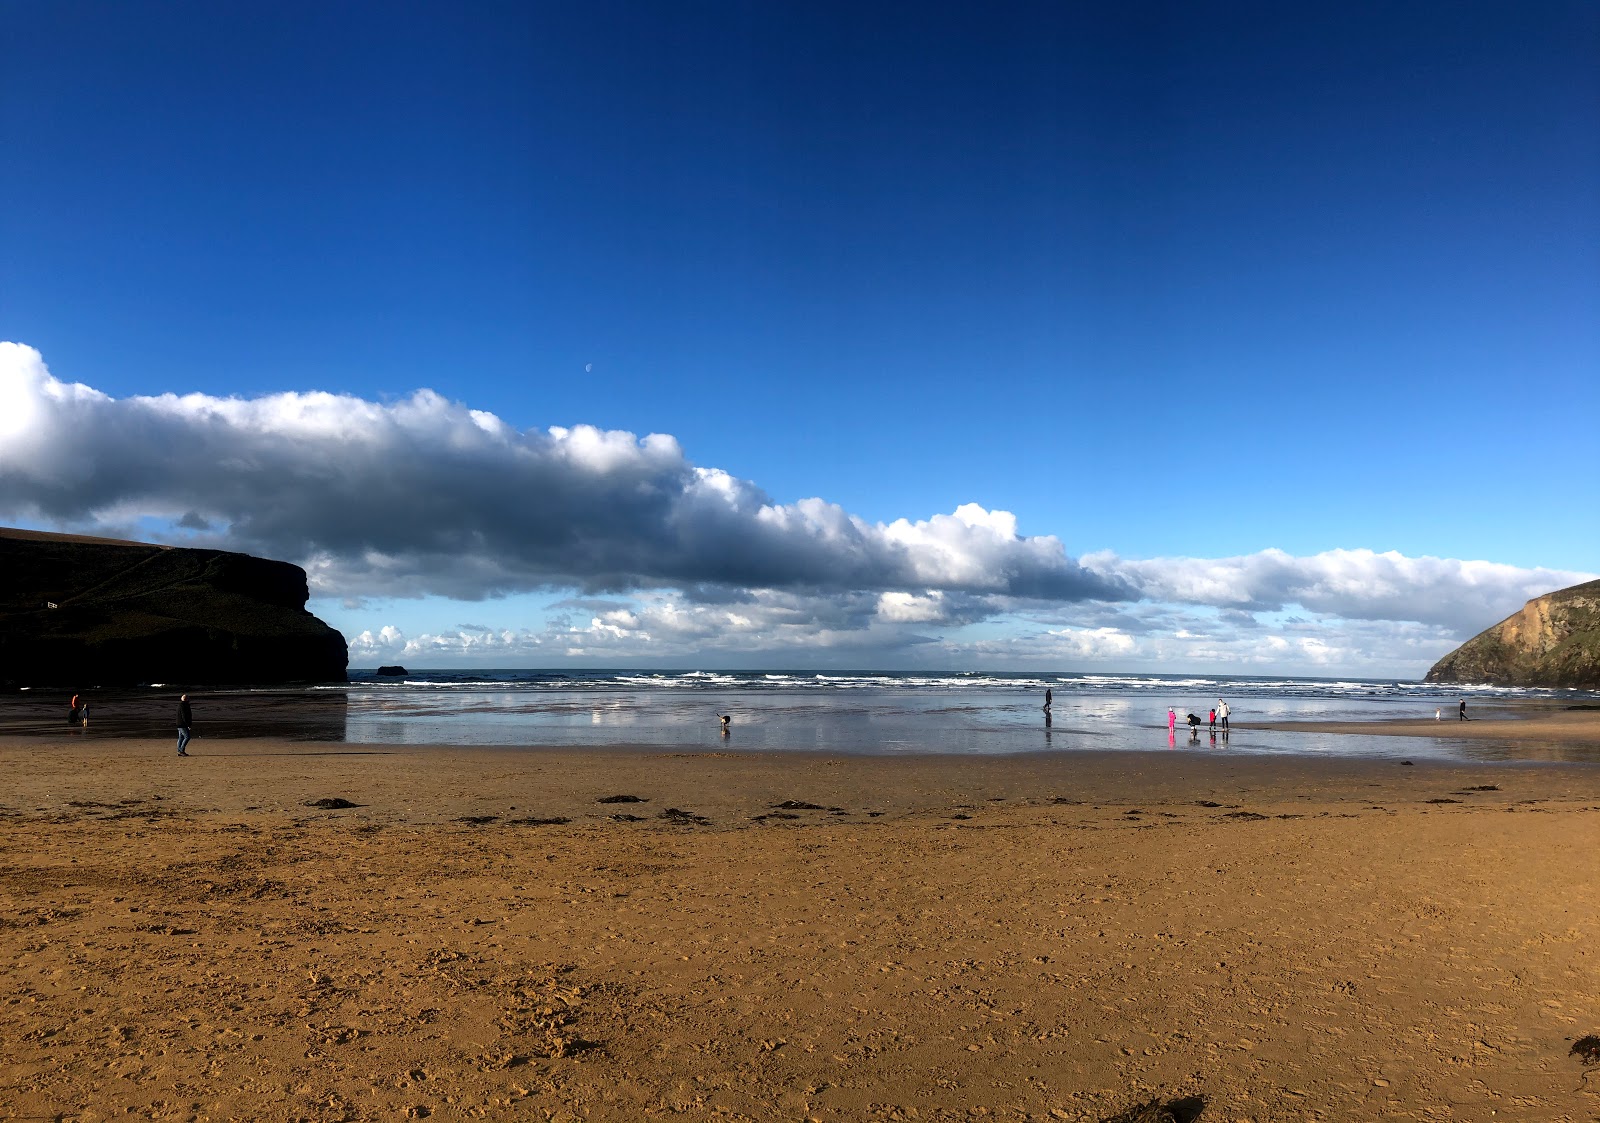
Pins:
x: 1222, y: 714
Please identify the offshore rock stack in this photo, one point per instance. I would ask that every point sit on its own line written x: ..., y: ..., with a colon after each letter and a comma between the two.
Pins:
x: 1553, y: 641
x: 79, y: 611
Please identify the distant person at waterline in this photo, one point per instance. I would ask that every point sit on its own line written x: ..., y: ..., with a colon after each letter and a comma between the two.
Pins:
x: 185, y: 722
x: 1049, y: 699
x: 1172, y: 721
x: 1463, y: 716
x: 1222, y: 714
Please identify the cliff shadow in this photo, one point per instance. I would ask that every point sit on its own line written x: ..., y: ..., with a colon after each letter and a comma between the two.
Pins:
x: 151, y: 713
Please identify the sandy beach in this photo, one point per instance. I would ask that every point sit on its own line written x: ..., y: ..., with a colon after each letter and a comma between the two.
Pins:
x: 636, y: 934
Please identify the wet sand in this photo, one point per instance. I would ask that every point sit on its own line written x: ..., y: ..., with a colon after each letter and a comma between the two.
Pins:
x: 1538, y: 721
x: 790, y: 936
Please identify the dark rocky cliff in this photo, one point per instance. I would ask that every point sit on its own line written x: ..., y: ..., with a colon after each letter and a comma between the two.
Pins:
x: 1553, y: 641
x: 130, y: 612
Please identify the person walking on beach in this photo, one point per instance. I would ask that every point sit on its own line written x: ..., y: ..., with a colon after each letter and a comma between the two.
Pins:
x: 1213, y: 721
x: 185, y: 721
x: 1463, y: 716
x: 1049, y: 699
x: 1222, y: 714
x: 1172, y: 721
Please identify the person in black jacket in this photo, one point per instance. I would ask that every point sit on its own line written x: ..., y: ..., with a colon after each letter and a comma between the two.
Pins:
x: 185, y: 720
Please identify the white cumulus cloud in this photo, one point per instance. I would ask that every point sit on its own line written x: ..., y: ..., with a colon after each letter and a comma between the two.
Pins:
x: 1354, y: 584
x: 428, y: 497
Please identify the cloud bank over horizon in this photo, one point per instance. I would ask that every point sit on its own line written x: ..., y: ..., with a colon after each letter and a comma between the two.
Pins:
x: 427, y: 497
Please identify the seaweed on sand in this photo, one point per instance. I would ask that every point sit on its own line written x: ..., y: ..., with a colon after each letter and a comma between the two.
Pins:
x: 1185, y: 1110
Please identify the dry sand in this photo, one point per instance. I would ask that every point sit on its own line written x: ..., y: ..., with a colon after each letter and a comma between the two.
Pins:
x: 1062, y: 936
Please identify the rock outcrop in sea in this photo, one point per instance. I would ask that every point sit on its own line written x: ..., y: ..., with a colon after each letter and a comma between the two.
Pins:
x: 1553, y: 641
x: 78, y: 611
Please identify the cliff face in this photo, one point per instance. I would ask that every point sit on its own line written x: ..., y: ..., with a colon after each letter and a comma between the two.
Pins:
x: 129, y: 612
x: 1553, y: 641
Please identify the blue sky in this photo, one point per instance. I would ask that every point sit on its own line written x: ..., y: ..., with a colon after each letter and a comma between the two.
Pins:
x: 1173, y: 285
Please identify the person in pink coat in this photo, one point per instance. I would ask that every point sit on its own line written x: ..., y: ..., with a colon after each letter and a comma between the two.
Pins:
x: 1172, y: 720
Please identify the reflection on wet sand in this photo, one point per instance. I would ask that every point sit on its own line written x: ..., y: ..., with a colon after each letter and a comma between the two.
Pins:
x: 889, y: 721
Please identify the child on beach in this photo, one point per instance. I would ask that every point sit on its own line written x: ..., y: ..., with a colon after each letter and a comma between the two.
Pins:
x: 1213, y: 722
x: 1172, y: 720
